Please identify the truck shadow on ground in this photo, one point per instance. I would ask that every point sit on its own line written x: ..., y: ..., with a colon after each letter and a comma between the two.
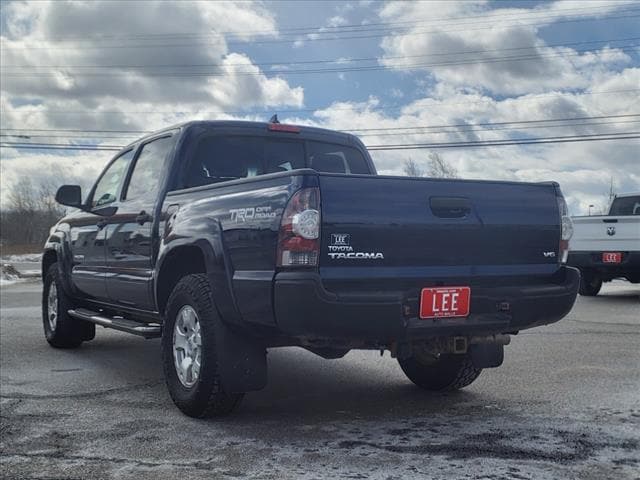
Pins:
x: 362, y: 386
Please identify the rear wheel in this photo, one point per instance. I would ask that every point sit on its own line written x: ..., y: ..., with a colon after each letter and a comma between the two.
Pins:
x: 60, y: 329
x: 442, y: 373
x: 189, y: 353
x: 590, y: 284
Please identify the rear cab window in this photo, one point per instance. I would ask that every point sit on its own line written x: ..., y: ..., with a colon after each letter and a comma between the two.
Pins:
x: 625, y: 206
x: 335, y: 158
x: 215, y: 158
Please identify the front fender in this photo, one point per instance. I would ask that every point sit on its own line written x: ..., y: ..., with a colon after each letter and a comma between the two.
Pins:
x: 58, y: 244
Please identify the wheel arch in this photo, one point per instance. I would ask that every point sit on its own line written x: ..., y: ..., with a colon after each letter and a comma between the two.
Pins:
x: 49, y: 257
x: 191, y: 257
x: 176, y: 263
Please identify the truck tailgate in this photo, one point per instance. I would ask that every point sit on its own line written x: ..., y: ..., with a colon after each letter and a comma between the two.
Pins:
x: 397, y: 228
x: 606, y: 234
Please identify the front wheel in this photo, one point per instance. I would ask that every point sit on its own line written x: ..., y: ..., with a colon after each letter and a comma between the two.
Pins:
x: 60, y: 329
x: 590, y: 284
x: 442, y: 373
x: 189, y: 353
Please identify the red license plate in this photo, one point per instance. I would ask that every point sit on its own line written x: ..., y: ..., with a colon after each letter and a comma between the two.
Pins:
x: 442, y: 302
x: 611, y: 257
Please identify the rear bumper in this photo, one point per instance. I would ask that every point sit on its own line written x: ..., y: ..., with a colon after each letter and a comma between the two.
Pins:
x: 592, y: 261
x: 305, y: 309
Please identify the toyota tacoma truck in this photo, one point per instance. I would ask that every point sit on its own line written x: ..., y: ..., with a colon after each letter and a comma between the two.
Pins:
x: 226, y: 239
x: 605, y: 247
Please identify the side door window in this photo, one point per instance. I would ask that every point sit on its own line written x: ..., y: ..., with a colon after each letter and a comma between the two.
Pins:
x: 108, y: 187
x: 145, y: 179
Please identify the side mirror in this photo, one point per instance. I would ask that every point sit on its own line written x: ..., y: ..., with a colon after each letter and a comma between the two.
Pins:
x: 70, y: 195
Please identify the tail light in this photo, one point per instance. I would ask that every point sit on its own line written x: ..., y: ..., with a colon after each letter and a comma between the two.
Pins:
x: 566, y: 226
x: 299, y: 237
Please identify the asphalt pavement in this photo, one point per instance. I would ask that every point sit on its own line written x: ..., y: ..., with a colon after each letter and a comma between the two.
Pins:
x: 565, y: 405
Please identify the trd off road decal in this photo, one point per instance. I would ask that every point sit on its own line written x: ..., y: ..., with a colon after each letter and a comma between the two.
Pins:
x: 340, y: 248
x: 253, y: 213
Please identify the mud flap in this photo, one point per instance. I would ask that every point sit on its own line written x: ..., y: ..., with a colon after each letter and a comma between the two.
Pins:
x: 242, y: 361
x: 486, y: 355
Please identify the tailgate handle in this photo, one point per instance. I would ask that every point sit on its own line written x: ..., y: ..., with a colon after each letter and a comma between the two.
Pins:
x: 450, y: 207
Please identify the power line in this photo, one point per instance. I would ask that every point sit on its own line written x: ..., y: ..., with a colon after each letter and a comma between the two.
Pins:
x: 544, y: 120
x: 328, y: 28
x: 326, y: 61
x: 319, y: 71
x: 380, y: 147
x: 386, y: 108
x: 454, y: 125
x: 383, y: 132
x: 540, y: 120
x: 508, y: 142
x: 492, y: 25
x: 472, y: 129
x: 54, y: 146
x: 71, y: 130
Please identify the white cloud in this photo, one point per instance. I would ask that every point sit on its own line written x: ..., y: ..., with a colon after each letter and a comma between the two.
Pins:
x: 250, y: 87
x: 69, y: 42
x: 506, y: 53
x: 74, y: 167
x: 337, y: 21
x: 62, y: 39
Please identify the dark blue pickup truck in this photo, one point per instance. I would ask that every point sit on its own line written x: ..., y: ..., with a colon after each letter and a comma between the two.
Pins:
x: 229, y: 238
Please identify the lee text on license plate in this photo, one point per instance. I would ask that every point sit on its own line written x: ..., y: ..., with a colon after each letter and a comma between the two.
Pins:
x: 612, y: 257
x: 441, y: 302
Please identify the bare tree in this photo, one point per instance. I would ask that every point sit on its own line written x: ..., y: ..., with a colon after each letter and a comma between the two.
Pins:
x: 437, y: 167
x: 22, y: 196
x: 411, y: 169
x: 440, y: 168
x: 31, y: 212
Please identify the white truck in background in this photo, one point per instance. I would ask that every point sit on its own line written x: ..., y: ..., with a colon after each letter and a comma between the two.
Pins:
x: 605, y: 247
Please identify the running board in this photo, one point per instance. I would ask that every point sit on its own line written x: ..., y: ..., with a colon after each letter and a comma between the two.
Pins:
x: 146, y: 330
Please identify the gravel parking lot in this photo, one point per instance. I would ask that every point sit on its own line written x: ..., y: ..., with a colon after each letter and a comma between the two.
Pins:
x: 566, y: 404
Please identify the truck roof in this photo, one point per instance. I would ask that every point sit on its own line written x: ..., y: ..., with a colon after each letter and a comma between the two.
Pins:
x: 236, y: 125
x: 628, y: 194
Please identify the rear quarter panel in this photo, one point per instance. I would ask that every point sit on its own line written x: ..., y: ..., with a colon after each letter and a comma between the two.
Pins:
x: 236, y: 225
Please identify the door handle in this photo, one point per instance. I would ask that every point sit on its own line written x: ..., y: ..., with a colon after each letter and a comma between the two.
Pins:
x: 102, y: 223
x: 450, y: 207
x: 143, y: 217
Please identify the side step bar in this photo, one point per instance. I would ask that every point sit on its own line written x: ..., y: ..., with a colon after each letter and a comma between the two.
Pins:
x: 146, y: 330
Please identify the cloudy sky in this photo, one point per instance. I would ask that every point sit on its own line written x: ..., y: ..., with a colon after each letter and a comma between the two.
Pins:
x: 397, y: 73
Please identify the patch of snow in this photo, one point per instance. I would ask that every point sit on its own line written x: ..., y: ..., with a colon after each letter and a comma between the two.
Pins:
x: 23, y: 258
x: 31, y: 273
x: 8, y: 275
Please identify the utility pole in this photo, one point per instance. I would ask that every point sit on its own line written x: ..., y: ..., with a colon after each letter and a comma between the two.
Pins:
x: 611, y: 192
